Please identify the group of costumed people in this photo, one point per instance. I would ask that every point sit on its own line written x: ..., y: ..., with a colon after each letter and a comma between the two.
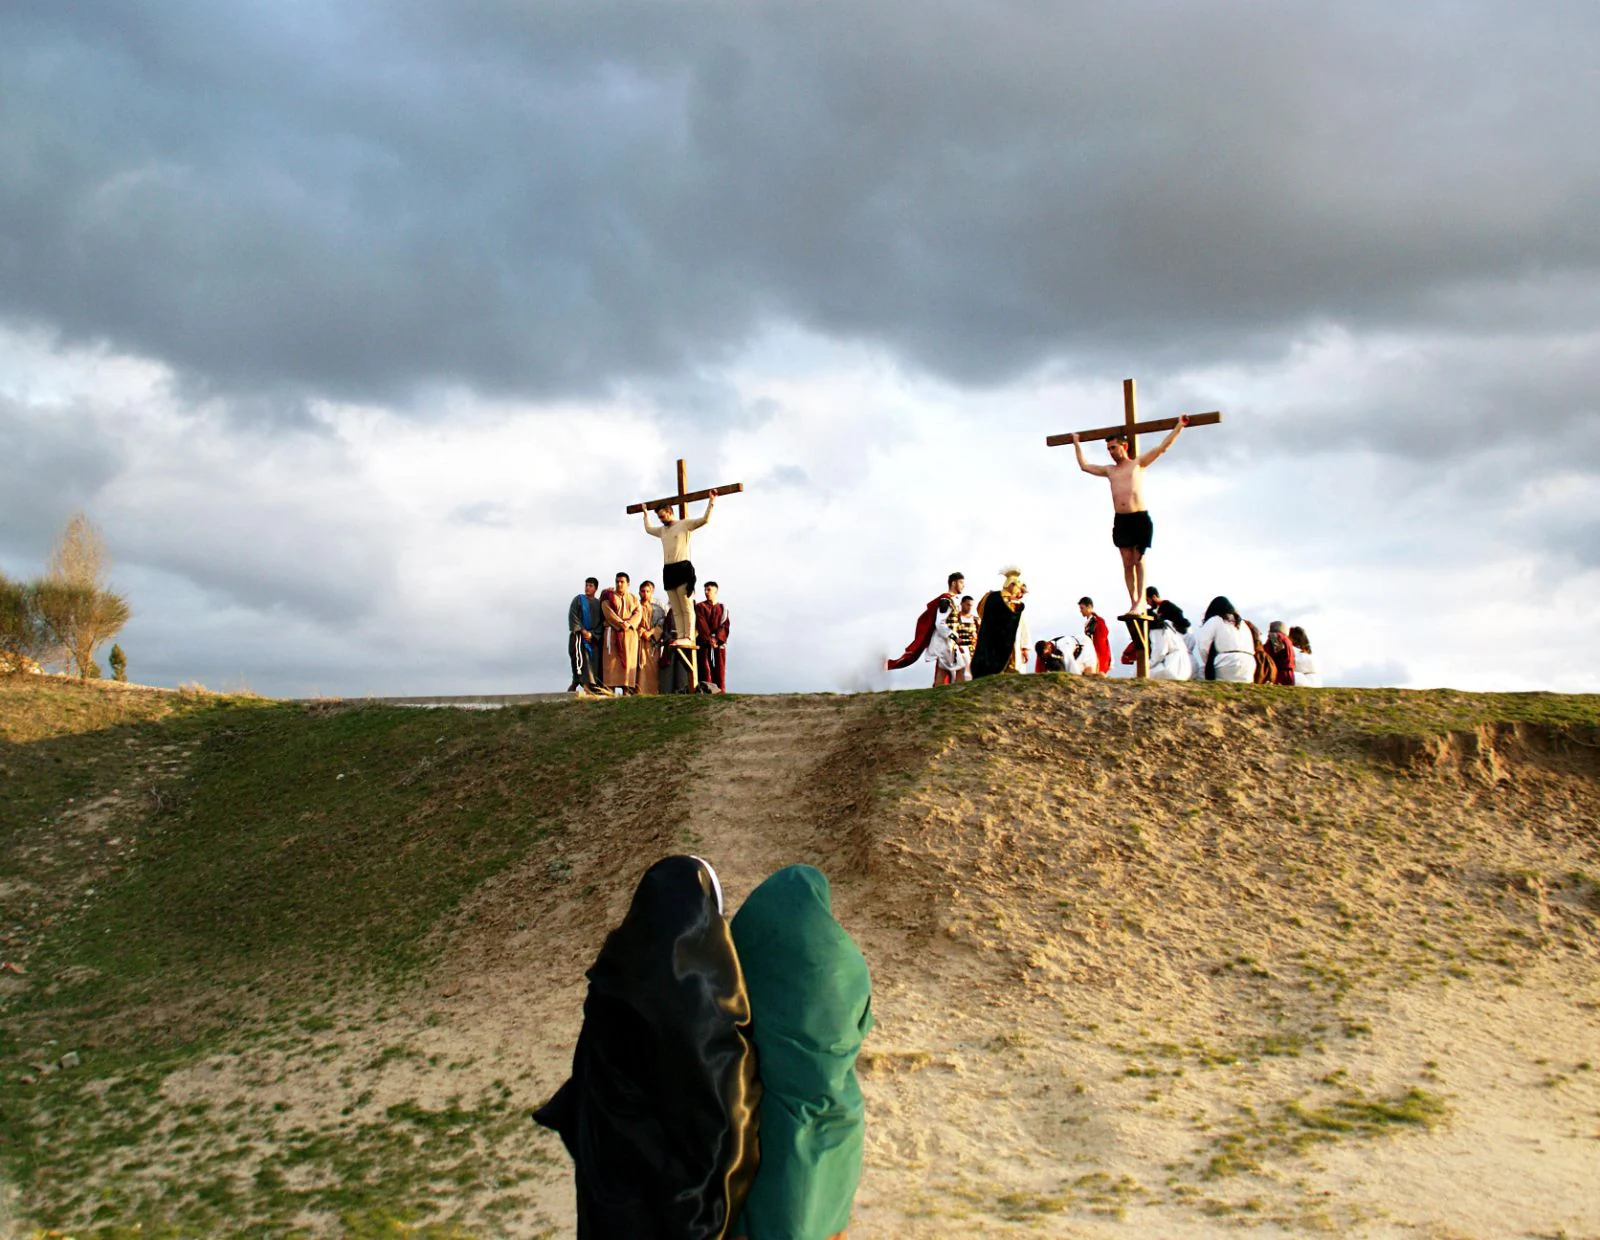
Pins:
x: 962, y: 641
x: 619, y: 641
x: 713, y: 1093
x: 1225, y: 646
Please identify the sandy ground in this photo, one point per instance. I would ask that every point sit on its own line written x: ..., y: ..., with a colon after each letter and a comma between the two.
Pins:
x: 1144, y: 965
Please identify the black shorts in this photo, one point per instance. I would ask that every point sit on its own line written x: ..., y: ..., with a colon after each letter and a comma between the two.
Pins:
x: 678, y: 573
x: 1133, y: 529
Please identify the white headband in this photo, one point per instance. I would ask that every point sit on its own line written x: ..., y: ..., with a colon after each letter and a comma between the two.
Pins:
x: 716, y: 883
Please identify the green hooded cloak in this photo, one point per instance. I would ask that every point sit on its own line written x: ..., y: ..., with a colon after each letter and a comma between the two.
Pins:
x: 810, y: 1008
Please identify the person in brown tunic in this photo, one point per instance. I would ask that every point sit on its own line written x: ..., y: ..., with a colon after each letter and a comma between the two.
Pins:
x: 620, y: 610
x: 652, y: 624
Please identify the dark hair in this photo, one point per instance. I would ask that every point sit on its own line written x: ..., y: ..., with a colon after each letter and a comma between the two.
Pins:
x: 643, y: 584
x: 1170, y: 613
x: 711, y: 585
x: 966, y: 598
x: 1151, y: 592
x: 592, y: 581
x: 1220, y: 606
x: 625, y: 577
x: 1085, y: 601
x: 1298, y: 636
x: 1038, y: 647
x: 954, y: 577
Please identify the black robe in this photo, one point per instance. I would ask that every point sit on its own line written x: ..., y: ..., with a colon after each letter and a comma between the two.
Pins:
x: 997, y: 635
x: 660, y: 1113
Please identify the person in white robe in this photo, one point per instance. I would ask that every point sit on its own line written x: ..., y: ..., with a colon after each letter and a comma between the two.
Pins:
x: 1224, y: 645
x: 1305, y: 663
x: 1169, y: 654
x: 1171, y: 640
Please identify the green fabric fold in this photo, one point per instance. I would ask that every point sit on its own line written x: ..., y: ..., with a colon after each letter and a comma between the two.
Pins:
x: 810, y: 1007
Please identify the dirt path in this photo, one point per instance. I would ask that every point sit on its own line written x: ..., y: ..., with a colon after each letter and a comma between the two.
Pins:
x: 753, y: 789
x: 757, y: 796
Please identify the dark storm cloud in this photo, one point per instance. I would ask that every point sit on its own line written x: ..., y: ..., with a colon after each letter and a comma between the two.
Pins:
x: 363, y: 198
x: 1430, y: 398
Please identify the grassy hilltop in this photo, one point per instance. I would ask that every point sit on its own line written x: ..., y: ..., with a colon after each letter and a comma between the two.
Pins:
x: 1149, y: 958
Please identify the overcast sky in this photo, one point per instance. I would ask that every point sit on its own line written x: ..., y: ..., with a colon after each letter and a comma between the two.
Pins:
x: 355, y: 325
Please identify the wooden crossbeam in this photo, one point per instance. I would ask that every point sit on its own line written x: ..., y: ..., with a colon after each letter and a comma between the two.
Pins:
x: 1131, y: 426
x: 684, y: 497
x: 1155, y: 424
x: 683, y: 501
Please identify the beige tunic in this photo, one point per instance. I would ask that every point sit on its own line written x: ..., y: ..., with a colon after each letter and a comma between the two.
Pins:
x: 621, y: 655
x: 651, y: 627
x: 674, y: 537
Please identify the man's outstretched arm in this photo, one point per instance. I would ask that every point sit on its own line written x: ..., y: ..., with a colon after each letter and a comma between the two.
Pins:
x: 711, y: 502
x: 1146, y: 458
x: 1099, y: 471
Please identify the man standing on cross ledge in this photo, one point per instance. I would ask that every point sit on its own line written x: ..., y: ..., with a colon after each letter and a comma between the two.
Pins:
x: 1131, y: 529
x: 677, y: 573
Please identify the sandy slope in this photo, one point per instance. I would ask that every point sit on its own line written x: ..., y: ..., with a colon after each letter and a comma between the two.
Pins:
x: 1147, y: 963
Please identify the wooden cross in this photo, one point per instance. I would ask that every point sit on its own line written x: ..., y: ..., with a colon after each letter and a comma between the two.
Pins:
x: 1131, y: 426
x: 1138, y: 624
x: 684, y: 497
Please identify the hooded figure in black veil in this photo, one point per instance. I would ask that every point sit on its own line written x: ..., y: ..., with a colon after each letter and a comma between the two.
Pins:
x: 659, y: 1114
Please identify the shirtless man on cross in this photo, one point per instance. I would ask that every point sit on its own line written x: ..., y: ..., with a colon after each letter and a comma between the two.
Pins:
x: 1131, y: 530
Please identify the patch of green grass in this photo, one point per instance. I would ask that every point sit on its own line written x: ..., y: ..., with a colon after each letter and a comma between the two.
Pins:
x: 1417, y: 711
x: 332, y: 841
x: 295, y: 850
x: 1251, y: 1141
x: 1357, y: 1114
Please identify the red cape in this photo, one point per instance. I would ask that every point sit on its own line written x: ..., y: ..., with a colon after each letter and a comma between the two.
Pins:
x: 919, y: 643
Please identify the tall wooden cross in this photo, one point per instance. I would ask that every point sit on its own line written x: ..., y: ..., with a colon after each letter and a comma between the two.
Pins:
x: 684, y: 497
x: 1138, y: 623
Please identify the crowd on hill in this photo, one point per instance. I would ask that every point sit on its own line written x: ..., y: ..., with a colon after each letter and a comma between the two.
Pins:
x: 620, y: 642
x: 1224, y: 646
x: 963, y: 639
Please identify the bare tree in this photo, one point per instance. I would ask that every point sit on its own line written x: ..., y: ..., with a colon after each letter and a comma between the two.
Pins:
x: 79, y: 557
x: 75, y: 609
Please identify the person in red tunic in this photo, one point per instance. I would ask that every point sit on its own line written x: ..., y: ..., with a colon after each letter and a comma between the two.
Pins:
x: 711, y: 630
x: 1095, y: 629
x: 1281, y: 651
x: 925, y: 622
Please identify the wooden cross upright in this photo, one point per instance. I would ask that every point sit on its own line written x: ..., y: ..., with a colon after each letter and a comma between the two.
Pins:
x: 1131, y: 426
x: 684, y: 497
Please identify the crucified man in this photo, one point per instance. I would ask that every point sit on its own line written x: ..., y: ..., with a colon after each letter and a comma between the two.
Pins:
x: 677, y: 573
x: 1131, y: 529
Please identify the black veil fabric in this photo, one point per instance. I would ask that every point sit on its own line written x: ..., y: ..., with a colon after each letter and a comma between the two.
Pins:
x: 997, y: 635
x: 660, y: 1112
